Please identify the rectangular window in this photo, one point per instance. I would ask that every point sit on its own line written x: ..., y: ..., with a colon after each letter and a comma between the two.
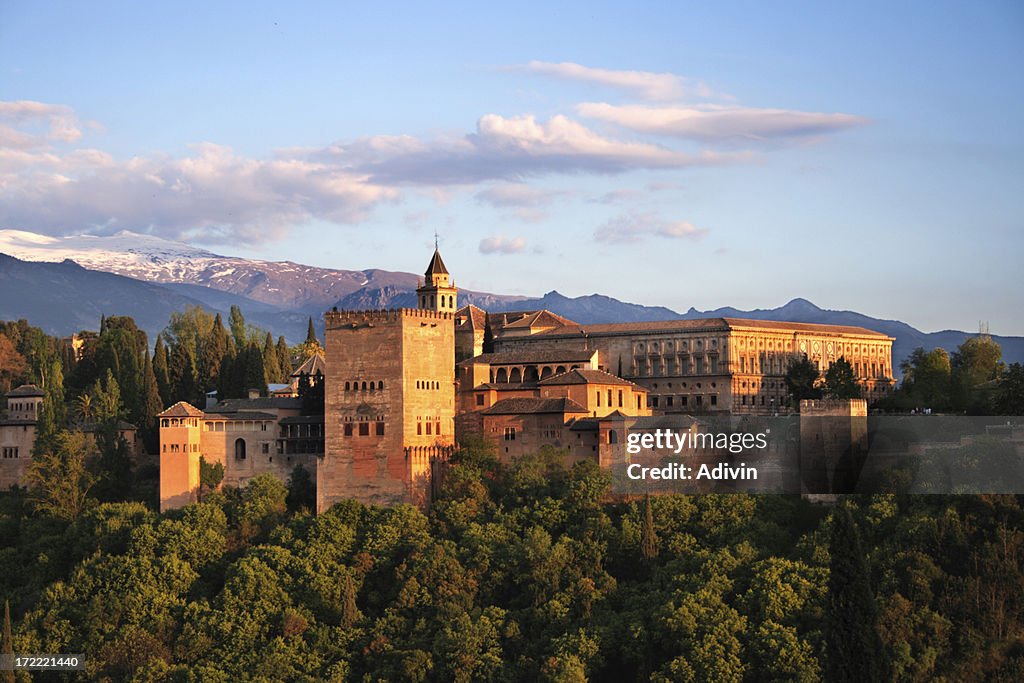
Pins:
x: 682, y: 400
x: 380, y: 429
x: 348, y: 429
x: 510, y: 433
x: 419, y: 429
x: 480, y: 399
x: 700, y: 400
x: 714, y: 400
x: 437, y: 428
x: 620, y: 398
x: 654, y: 402
x: 265, y: 447
x: 364, y: 429
x: 668, y: 401
x: 429, y: 427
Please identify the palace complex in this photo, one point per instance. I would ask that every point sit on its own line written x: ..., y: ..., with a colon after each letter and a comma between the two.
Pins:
x: 401, y: 386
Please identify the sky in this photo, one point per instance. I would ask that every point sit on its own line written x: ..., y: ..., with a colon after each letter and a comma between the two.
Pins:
x: 864, y: 156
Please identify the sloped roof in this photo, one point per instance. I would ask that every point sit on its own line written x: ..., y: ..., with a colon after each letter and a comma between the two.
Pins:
x: 262, y: 403
x: 239, y: 415
x: 586, y: 376
x: 528, y: 356
x: 472, y: 317
x: 26, y: 390
x: 181, y: 409
x: 518, y: 319
x: 710, y: 324
x: 525, y: 406
x: 312, y: 365
x: 436, y: 266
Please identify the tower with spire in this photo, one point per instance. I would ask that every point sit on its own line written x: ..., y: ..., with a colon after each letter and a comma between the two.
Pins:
x: 438, y: 291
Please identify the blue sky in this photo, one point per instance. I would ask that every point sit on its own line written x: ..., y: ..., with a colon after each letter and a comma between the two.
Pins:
x: 863, y: 156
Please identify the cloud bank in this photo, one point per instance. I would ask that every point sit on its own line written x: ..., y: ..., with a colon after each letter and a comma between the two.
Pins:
x: 637, y: 227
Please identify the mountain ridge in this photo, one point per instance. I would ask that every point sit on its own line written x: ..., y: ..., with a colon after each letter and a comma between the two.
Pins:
x: 279, y: 295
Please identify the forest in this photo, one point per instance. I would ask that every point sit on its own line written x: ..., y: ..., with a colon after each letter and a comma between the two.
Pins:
x: 518, y: 572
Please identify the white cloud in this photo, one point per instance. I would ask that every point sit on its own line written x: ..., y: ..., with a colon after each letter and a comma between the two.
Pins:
x: 500, y: 244
x: 646, y: 84
x: 510, y: 148
x: 516, y: 195
x: 60, y: 119
x: 716, y: 123
x: 617, y: 196
x: 636, y: 227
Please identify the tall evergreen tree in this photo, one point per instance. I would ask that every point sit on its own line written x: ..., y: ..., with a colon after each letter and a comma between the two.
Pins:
x: 160, y: 370
x: 271, y: 368
x: 854, y: 650
x: 648, y: 536
x: 488, y: 343
x: 349, y: 609
x: 181, y: 367
x: 152, y: 405
x: 284, y: 359
x: 214, y: 348
x: 311, y: 333
x: 8, y: 646
x: 53, y: 412
x: 254, y: 373
x: 237, y: 322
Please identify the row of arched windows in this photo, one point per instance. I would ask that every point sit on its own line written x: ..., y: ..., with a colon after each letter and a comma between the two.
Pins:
x: 356, y: 386
x: 425, y: 384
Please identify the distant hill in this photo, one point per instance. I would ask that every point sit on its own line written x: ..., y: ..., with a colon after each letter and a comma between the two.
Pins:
x: 64, y: 298
x: 279, y: 296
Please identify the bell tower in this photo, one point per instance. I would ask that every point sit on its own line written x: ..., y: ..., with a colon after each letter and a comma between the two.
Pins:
x: 438, y: 291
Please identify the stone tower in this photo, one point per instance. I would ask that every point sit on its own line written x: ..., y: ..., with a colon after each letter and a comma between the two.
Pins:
x: 180, y: 448
x: 438, y: 291
x: 389, y: 398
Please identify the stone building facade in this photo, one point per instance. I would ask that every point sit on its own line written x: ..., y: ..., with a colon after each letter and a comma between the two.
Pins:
x: 18, y: 434
x: 390, y: 397
x: 719, y: 365
x: 400, y: 385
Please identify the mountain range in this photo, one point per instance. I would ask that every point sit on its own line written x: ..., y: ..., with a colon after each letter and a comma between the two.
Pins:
x: 64, y: 284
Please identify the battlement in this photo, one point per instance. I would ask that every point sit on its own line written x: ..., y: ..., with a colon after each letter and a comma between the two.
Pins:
x: 340, y: 319
x: 831, y: 407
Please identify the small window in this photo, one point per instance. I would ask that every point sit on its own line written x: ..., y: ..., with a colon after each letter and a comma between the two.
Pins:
x: 510, y: 433
x: 348, y: 429
x: 380, y: 429
x: 714, y: 400
x: 265, y: 447
x: 479, y: 399
x: 364, y: 429
x: 429, y: 427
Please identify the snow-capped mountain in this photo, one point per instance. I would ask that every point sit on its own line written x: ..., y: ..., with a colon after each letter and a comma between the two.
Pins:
x: 154, y: 259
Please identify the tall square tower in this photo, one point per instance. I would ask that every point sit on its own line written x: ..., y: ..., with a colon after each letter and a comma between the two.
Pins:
x: 389, y: 401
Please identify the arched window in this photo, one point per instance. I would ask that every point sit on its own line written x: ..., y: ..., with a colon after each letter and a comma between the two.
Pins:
x: 380, y: 385
x: 560, y: 369
x: 515, y: 376
x: 501, y: 377
x: 546, y: 372
x: 346, y: 386
x: 531, y: 374
x: 239, y: 449
x: 364, y: 386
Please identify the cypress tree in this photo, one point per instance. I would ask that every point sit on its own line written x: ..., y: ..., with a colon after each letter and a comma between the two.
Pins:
x: 181, y: 367
x: 237, y: 322
x: 853, y: 647
x: 152, y: 405
x: 254, y: 373
x: 8, y: 645
x: 215, y: 346
x: 488, y: 343
x: 163, y: 378
x: 284, y: 359
x: 271, y: 368
x: 349, y: 608
x: 648, y: 536
x: 311, y: 333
